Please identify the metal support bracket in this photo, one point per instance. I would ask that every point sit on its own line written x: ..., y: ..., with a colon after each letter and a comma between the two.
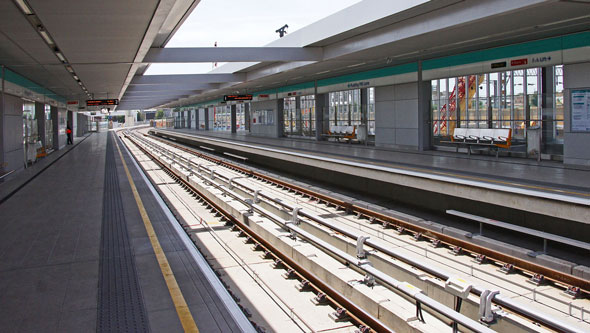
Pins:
x: 360, y: 251
x: 486, y: 314
x: 294, y: 216
x: 256, y: 196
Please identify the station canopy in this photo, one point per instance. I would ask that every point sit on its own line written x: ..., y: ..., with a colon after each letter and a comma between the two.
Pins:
x: 101, y: 49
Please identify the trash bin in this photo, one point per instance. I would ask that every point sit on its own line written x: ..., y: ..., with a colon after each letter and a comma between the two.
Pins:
x: 533, y: 141
x: 361, y: 133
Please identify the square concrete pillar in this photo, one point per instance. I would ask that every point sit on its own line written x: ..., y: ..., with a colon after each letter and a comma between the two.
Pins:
x: 424, y: 114
x: 55, y: 125
x: 280, y: 118
x: 233, y: 118
x: 247, y: 116
x: 206, y: 119
x: 322, y: 114
x: 40, y: 116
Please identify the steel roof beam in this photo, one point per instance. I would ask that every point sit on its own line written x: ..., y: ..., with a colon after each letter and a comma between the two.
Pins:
x: 161, y: 93
x: 188, y: 79
x: 232, y: 54
x: 170, y: 87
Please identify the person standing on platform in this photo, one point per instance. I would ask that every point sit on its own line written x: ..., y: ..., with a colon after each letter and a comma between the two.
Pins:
x: 69, y: 133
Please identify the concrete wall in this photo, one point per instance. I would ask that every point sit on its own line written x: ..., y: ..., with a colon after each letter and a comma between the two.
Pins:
x: 265, y: 130
x: 12, y: 133
x: 396, y: 116
x: 575, y: 144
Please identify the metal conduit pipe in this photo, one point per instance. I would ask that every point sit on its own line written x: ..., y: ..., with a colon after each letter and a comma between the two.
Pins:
x: 386, y: 279
x: 477, y: 290
x: 498, y: 299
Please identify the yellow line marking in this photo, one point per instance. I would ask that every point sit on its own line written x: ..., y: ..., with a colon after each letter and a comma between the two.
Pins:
x: 184, y: 314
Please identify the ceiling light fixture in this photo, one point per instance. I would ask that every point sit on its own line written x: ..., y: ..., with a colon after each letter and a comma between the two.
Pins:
x: 24, y: 7
x: 323, y: 72
x: 45, y: 35
x: 76, y: 78
x: 60, y: 56
x: 359, y: 64
x: 70, y: 69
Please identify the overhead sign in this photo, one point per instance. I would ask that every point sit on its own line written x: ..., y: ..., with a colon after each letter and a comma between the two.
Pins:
x: 500, y: 64
x: 228, y: 98
x: 99, y: 102
x: 519, y: 62
x: 73, y: 103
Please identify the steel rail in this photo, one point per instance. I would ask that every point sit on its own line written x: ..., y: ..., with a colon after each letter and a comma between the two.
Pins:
x: 388, y: 280
x: 522, y: 264
x: 358, y: 314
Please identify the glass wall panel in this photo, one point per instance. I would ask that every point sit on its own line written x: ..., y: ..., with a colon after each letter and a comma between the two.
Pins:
x: 48, y: 128
x: 290, y: 115
x: 345, y: 108
x: 371, y: 111
x: 508, y: 99
x: 240, y: 117
x: 308, y: 115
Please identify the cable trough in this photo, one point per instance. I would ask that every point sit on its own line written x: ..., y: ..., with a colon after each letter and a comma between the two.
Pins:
x: 259, y: 202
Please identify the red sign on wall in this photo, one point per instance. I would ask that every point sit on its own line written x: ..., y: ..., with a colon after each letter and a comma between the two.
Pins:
x: 519, y: 62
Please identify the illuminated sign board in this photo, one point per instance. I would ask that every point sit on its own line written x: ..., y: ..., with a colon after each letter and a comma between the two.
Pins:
x: 228, y: 98
x: 99, y: 102
x: 499, y: 64
x: 519, y: 62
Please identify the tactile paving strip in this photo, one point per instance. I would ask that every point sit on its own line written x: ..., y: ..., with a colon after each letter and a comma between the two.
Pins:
x: 120, y: 302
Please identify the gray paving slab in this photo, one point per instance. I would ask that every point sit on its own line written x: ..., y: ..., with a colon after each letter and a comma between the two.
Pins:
x: 48, y: 257
x: 50, y: 239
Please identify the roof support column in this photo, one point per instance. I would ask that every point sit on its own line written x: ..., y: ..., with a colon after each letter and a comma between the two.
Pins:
x: 424, y: 114
x: 280, y: 117
x: 40, y: 116
x: 233, y: 118
x: 55, y: 125
x: 2, y: 131
x: 321, y: 113
x: 206, y: 119
x: 247, y: 116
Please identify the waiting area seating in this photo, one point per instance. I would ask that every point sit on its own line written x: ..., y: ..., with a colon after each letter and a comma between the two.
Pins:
x: 342, y: 132
x: 493, y: 138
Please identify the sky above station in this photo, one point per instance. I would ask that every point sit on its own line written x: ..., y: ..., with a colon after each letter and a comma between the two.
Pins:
x: 242, y: 23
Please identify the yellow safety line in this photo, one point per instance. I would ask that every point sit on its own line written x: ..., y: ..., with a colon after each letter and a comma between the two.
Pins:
x: 184, y: 314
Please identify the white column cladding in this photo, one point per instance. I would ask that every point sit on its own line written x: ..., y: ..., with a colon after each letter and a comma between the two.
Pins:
x: 575, y: 144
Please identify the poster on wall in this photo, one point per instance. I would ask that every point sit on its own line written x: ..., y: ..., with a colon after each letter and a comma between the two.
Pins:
x: 580, y: 110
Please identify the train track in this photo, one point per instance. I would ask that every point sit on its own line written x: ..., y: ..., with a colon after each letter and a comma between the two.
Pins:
x: 307, y: 200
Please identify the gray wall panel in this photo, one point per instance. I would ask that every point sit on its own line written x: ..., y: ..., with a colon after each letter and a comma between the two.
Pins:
x: 406, y: 91
x: 396, y: 116
x: 406, y: 113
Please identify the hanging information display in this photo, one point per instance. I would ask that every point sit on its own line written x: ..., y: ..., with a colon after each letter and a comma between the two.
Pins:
x: 580, y: 110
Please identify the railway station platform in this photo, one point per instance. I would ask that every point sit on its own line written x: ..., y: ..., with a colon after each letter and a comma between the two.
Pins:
x: 86, y: 246
x: 546, y: 196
